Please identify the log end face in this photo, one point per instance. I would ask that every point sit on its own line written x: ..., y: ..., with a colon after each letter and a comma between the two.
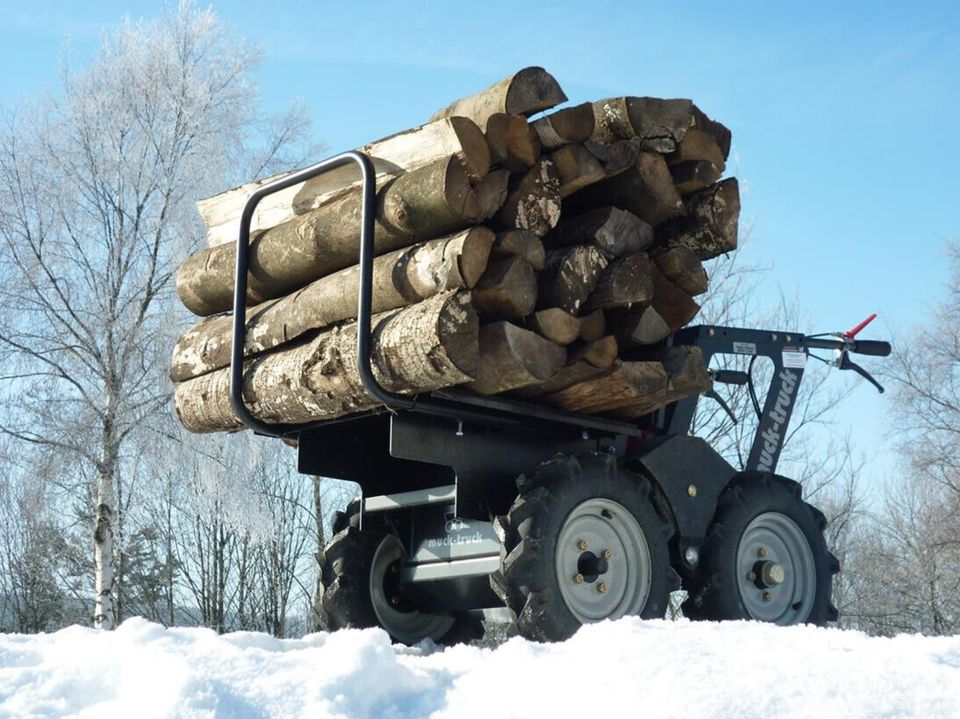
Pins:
x: 475, y: 155
x: 475, y: 254
x: 531, y: 90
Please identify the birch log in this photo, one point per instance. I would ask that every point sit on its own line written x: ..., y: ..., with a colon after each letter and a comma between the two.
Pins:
x: 427, y: 346
x: 523, y: 93
x: 431, y: 201
x: 400, y: 278
x: 392, y: 156
x: 659, y: 124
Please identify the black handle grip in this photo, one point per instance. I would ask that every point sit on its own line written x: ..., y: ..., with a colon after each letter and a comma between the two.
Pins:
x: 729, y: 376
x: 876, y: 348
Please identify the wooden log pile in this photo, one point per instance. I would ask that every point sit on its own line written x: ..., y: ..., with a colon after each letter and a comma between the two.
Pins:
x: 543, y: 253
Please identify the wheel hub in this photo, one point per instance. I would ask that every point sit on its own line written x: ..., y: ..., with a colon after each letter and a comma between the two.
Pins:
x: 603, y: 562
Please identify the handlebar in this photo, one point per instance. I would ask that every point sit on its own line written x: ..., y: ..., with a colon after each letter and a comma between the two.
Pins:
x: 875, y: 348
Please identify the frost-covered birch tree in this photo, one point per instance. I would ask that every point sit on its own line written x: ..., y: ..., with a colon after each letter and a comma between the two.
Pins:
x: 97, y: 184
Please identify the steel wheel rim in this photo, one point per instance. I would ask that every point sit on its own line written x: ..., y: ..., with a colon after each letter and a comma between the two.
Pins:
x: 600, y: 524
x: 408, y: 627
x: 775, y: 538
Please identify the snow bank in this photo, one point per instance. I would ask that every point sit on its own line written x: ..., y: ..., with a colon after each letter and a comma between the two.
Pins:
x: 624, y: 668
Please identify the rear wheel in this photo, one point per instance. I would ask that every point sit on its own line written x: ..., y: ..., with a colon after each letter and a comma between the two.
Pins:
x: 581, y: 543
x: 360, y: 574
x: 764, y: 557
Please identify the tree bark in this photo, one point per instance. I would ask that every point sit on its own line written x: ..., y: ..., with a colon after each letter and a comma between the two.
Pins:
x: 400, y: 278
x: 523, y: 93
x: 568, y: 126
x: 513, y: 143
x: 569, y: 276
x: 613, y: 231
x: 104, y: 613
x: 420, y: 348
x: 659, y: 124
x: 534, y: 201
x: 625, y: 281
x: 584, y: 362
x: 556, y: 324
x: 593, y: 326
x: 523, y: 243
x: 688, y: 375
x: 577, y: 168
x: 392, y: 156
x: 711, y: 223
x: 512, y: 357
x: 422, y: 204
x: 681, y: 266
x: 621, y: 386
x: 646, y: 189
x: 507, y: 290
x: 698, y: 145
x: 601, y: 353
x: 637, y: 325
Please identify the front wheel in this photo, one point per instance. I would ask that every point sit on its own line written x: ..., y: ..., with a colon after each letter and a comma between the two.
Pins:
x: 764, y: 557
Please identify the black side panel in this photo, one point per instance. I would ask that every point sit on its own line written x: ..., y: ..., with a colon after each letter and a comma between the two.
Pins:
x: 691, y: 475
x: 358, y: 451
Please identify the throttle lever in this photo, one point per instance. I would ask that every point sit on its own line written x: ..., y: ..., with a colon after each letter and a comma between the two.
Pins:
x: 846, y: 363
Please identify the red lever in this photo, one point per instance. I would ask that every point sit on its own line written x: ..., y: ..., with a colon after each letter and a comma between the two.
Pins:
x: 850, y: 334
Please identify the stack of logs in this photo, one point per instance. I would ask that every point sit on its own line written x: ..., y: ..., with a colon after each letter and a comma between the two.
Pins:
x: 544, y: 258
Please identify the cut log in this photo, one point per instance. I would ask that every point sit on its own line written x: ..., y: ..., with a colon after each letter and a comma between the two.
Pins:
x: 593, y: 326
x: 625, y: 281
x: 524, y: 93
x: 688, y: 375
x: 694, y: 175
x: 698, y: 145
x: 577, y: 168
x: 507, y: 290
x: 556, y: 324
x: 637, y: 325
x: 491, y: 193
x: 681, y: 266
x: 534, y: 201
x: 569, y: 277
x: 616, y: 157
x: 613, y: 231
x: 422, y: 204
x: 391, y: 156
x: 620, y: 386
x: 565, y: 127
x: 514, y: 144
x: 512, y: 357
x: 673, y: 304
x: 523, y: 243
x: 400, y: 278
x: 602, y: 353
x: 660, y: 124
x: 646, y: 189
x: 710, y: 226
x: 427, y: 346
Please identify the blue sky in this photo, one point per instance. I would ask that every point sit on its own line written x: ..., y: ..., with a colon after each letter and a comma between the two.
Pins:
x: 844, y: 114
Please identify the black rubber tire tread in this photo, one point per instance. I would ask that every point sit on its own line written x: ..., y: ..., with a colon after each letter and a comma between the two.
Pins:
x: 712, y: 590
x: 345, y: 574
x: 527, y: 581
x: 350, y: 517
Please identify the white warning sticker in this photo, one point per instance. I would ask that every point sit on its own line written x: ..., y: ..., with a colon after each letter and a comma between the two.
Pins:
x: 794, y: 357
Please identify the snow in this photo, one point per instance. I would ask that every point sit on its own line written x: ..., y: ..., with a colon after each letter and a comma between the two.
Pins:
x: 624, y: 668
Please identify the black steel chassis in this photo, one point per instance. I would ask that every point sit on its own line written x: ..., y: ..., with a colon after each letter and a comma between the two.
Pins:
x: 479, y: 446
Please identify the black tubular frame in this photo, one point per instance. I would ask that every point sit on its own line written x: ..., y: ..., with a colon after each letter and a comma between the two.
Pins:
x: 445, y: 403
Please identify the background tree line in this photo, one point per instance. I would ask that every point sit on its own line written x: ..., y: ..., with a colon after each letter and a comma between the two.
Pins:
x: 108, y: 509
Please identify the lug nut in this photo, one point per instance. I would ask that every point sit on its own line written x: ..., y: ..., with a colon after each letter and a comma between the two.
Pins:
x: 582, y: 545
x: 767, y: 596
x: 395, y: 600
x: 751, y: 576
x: 762, y: 552
x: 607, y: 554
x: 602, y: 588
x: 578, y: 579
x: 692, y: 490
